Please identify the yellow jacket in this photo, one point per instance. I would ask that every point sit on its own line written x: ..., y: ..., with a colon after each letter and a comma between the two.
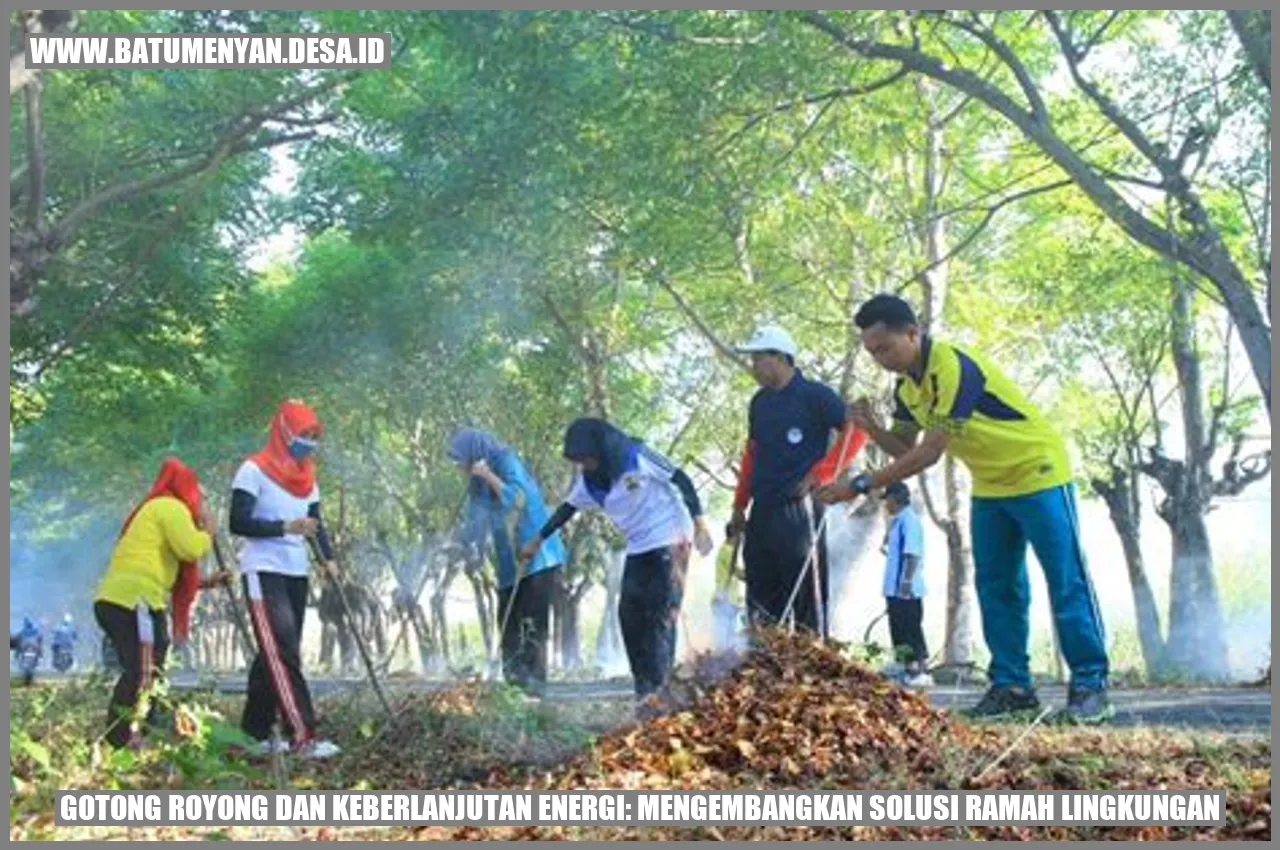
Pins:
x: 144, y: 565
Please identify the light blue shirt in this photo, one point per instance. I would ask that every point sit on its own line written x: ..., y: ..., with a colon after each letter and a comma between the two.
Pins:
x: 905, y: 537
x: 520, y: 514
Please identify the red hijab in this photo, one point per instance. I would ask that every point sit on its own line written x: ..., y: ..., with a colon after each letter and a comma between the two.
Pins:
x: 292, y: 419
x: 179, y: 481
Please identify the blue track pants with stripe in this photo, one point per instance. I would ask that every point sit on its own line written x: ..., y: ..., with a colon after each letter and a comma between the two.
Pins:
x: 1002, y: 528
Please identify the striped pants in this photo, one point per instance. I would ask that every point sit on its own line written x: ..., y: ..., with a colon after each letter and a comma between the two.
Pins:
x: 1002, y: 529
x: 141, y: 640
x: 277, y: 606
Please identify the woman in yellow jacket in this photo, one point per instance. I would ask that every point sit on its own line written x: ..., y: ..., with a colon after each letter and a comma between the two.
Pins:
x: 154, y: 560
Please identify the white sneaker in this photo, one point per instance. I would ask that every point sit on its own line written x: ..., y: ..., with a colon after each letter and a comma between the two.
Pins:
x: 270, y: 746
x: 319, y: 750
x: 918, y: 680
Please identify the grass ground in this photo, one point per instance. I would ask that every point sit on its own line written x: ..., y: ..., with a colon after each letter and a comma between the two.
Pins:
x: 796, y: 717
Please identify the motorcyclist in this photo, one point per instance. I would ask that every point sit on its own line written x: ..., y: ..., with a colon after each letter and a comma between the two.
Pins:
x: 64, y: 641
x: 30, y: 646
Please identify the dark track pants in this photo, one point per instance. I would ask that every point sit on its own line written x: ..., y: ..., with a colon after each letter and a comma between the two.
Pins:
x: 906, y: 630
x: 777, y: 543
x: 277, y: 606
x: 141, y: 640
x: 528, y: 627
x: 649, y: 613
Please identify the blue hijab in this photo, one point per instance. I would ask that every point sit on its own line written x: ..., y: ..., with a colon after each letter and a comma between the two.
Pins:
x: 470, y: 445
x: 613, y: 450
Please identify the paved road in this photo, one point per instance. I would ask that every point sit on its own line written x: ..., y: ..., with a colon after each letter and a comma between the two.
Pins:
x: 1225, y: 710
x: 1237, y: 710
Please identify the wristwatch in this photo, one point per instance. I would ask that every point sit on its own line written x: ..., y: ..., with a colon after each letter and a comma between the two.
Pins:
x: 860, y: 484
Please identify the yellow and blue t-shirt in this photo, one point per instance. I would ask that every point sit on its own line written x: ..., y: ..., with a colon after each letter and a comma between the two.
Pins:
x: 1008, y: 446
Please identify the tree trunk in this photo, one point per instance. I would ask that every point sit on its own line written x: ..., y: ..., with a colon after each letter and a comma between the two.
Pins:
x: 569, y: 618
x: 1120, y: 495
x: 422, y: 634
x: 35, y: 21
x: 379, y: 627
x: 328, y: 644
x: 932, y: 236
x: 572, y: 646
x: 1253, y: 28
x: 440, y: 620
x: 484, y: 609
x: 1197, y: 646
x: 958, y: 645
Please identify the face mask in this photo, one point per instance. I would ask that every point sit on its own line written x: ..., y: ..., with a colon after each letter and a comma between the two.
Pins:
x: 300, y: 447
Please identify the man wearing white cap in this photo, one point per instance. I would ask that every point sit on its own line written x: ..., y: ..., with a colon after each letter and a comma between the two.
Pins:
x: 796, y: 441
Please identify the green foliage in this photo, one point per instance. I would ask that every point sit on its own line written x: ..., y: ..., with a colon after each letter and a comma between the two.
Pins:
x: 56, y: 744
x: 536, y: 214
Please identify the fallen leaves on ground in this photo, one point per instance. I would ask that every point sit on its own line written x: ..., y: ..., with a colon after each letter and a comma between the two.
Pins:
x: 789, y: 714
x: 795, y: 714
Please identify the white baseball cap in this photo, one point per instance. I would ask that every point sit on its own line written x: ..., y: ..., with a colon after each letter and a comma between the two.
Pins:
x: 770, y: 338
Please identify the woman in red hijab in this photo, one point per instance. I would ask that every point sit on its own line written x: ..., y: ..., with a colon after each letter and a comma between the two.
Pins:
x: 153, y: 568
x: 275, y: 506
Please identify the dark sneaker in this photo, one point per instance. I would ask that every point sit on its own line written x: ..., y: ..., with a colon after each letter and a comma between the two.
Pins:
x: 1000, y: 702
x: 647, y: 710
x: 1086, y: 706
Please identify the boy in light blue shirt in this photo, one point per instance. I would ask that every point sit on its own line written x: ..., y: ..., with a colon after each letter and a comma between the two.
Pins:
x: 904, y: 586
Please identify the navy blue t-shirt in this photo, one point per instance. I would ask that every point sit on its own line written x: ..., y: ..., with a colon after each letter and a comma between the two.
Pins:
x: 792, y: 429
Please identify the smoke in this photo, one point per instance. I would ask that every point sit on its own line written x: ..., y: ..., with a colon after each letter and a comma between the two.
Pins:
x: 727, y: 626
x: 58, y: 552
x: 852, y: 540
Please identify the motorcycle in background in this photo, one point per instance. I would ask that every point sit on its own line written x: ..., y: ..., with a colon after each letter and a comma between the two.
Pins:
x: 29, y: 652
x: 63, y: 658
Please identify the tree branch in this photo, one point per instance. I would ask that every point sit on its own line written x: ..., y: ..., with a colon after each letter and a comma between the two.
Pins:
x: 1237, y: 475
x: 1129, y: 178
x: 1166, y: 471
x: 1010, y: 59
x: 1093, y: 40
x: 1106, y: 105
x: 973, y: 234
x: 1207, y: 254
x: 576, y: 339
x: 708, y: 334
x: 230, y: 145
x: 715, y: 478
x: 64, y: 346
x: 809, y: 100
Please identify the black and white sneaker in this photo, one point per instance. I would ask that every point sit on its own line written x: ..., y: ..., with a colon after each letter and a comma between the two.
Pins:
x: 1086, y: 706
x: 1004, y: 702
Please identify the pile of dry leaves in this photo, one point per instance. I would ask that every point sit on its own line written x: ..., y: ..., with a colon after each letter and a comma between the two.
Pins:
x: 796, y: 714
x: 792, y: 714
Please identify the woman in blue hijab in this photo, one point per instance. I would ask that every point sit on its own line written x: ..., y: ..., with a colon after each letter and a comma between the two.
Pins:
x: 505, y: 503
x: 655, y: 506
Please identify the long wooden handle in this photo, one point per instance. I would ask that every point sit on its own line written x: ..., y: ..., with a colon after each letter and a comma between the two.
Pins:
x: 355, y: 632
x: 241, y: 626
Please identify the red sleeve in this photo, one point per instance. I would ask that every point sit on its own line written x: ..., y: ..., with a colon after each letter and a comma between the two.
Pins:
x: 848, y: 443
x: 184, y: 597
x: 742, y: 493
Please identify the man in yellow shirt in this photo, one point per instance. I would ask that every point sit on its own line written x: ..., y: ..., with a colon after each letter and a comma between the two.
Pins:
x: 1022, y: 493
